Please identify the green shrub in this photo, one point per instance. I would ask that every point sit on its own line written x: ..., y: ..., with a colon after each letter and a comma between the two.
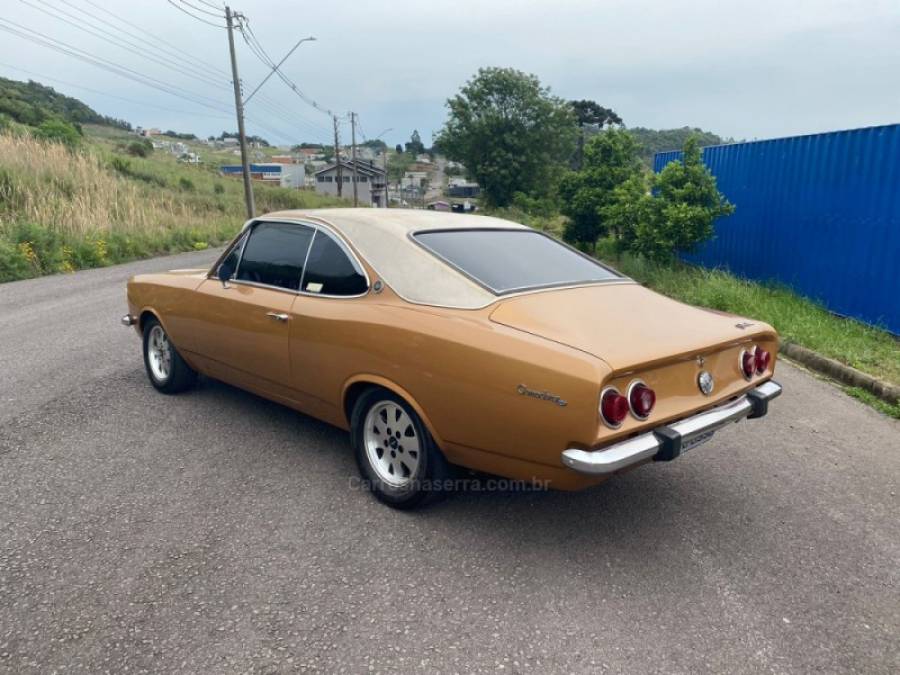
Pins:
x: 218, y: 189
x: 57, y: 131
x: 186, y: 184
x: 139, y: 148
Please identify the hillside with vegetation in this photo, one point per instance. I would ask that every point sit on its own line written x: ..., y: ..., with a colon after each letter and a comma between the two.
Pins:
x: 32, y: 104
x: 75, y: 194
x: 651, y: 141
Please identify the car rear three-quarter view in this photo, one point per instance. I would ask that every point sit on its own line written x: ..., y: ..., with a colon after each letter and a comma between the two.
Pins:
x: 443, y: 340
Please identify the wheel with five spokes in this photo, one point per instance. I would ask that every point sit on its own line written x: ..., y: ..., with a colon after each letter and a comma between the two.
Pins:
x: 397, y: 457
x: 168, y: 372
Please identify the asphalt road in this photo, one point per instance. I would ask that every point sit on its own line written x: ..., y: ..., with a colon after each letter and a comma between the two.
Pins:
x: 216, y: 532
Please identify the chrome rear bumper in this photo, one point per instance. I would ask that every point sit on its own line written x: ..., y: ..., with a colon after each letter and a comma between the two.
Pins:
x: 667, y: 442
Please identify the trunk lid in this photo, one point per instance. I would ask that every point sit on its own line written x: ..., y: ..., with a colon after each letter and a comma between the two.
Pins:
x: 624, y: 324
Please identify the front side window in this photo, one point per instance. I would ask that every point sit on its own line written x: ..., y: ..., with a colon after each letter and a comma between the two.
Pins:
x: 231, y: 260
x: 330, y: 270
x: 505, y: 261
x: 274, y: 254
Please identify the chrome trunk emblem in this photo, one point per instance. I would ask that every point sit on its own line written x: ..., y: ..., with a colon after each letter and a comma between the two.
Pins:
x: 706, y: 382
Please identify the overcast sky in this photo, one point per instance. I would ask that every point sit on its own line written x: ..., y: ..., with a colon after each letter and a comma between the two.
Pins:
x: 744, y: 69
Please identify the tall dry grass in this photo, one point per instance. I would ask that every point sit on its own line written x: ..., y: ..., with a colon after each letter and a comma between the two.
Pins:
x: 74, y: 193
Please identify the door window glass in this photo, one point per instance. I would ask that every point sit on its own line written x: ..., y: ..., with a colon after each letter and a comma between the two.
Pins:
x: 274, y: 254
x: 330, y: 269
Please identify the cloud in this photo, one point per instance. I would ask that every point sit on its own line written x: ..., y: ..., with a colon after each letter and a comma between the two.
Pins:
x: 744, y: 69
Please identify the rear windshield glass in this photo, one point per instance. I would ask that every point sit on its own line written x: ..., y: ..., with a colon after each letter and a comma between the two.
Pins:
x: 505, y: 261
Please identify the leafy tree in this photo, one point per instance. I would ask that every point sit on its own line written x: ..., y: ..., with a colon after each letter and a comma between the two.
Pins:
x: 415, y: 146
x: 591, y: 116
x: 592, y: 113
x: 58, y: 131
x: 510, y: 133
x: 685, y: 203
x: 610, y: 159
x: 398, y: 149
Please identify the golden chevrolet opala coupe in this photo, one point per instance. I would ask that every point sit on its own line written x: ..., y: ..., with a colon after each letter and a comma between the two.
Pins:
x: 443, y: 339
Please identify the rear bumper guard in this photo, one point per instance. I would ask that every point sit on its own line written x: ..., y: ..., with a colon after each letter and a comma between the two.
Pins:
x: 667, y: 442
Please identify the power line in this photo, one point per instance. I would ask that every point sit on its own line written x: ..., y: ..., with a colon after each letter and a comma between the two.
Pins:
x: 116, y: 96
x: 260, y: 52
x: 191, y: 63
x: 123, y: 71
x: 128, y: 73
x: 214, y: 69
x: 194, y: 16
x: 121, y: 43
x: 201, y: 10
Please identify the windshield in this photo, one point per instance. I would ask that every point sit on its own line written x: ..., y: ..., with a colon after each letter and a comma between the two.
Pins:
x: 505, y: 261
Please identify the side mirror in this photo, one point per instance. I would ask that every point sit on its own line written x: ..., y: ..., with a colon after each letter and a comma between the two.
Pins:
x: 225, y: 272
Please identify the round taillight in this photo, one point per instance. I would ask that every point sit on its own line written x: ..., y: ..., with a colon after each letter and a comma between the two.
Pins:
x: 613, y: 407
x: 641, y: 398
x: 762, y: 360
x: 748, y: 363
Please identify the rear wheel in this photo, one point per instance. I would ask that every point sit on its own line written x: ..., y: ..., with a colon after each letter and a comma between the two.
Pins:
x: 396, y: 455
x: 168, y: 372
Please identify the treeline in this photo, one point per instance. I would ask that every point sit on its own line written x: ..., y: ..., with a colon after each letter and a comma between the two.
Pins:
x: 32, y: 104
x: 546, y: 156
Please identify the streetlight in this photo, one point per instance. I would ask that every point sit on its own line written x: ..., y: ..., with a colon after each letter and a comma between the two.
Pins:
x: 275, y: 69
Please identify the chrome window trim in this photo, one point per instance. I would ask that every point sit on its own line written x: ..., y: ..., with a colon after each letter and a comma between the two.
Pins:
x: 617, y: 276
x: 315, y: 226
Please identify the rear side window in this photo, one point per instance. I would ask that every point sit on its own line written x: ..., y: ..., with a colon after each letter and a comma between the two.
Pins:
x: 274, y: 255
x: 505, y: 261
x: 330, y: 270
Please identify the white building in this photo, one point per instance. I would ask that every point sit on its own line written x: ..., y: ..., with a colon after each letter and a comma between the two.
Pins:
x: 370, y: 185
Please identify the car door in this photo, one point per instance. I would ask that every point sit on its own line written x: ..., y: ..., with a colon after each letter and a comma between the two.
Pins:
x: 244, y: 324
x: 326, y: 336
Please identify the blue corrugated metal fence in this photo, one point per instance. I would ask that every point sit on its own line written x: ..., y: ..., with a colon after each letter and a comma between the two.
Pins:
x: 820, y: 213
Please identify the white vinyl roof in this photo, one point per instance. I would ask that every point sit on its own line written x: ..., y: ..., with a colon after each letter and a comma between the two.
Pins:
x: 381, y: 236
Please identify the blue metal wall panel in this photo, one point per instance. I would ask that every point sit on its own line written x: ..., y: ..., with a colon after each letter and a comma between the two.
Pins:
x: 819, y: 213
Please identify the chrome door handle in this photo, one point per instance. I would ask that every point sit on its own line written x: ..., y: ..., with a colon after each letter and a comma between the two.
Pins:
x: 278, y: 316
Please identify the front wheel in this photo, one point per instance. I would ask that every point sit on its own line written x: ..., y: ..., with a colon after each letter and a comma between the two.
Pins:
x: 397, y: 457
x: 168, y: 372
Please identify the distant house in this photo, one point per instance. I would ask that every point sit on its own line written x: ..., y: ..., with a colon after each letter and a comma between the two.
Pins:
x: 370, y: 187
x: 461, y: 188
x: 284, y: 175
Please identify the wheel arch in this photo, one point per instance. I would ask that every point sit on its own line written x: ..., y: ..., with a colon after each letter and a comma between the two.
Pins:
x: 356, y: 385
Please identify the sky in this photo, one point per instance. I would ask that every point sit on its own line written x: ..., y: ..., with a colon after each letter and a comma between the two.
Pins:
x: 745, y: 70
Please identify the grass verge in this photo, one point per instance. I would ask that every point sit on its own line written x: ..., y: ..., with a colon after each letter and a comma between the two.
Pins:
x: 797, y: 319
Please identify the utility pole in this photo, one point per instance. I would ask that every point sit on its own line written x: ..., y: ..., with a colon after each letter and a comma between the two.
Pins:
x: 337, y: 158
x: 239, y: 109
x: 353, y: 155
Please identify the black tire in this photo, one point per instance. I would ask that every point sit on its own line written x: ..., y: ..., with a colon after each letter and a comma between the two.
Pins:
x: 178, y: 376
x: 427, y: 483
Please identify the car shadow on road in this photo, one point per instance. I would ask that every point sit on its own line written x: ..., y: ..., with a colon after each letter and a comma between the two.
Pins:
x: 647, y: 502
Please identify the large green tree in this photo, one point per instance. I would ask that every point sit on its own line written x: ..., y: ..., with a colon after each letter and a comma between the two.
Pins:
x: 610, y: 160
x: 510, y: 133
x: 590, y: 115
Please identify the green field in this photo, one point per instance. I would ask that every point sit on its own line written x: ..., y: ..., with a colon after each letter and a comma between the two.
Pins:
x: 63, y: 209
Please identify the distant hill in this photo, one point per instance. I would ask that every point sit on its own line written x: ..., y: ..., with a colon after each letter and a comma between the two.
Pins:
x: 32, y: 103
x: 659, y: 140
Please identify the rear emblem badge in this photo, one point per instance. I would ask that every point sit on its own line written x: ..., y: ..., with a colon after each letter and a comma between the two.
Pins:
x: 706, y: 382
